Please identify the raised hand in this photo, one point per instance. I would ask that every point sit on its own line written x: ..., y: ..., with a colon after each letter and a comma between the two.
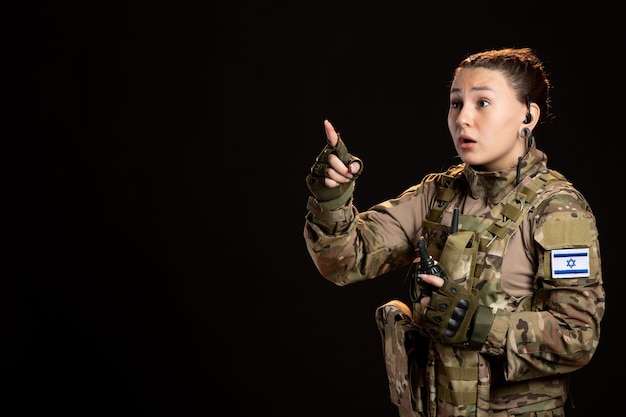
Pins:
x: 332, y: 176
x: 338, y: 172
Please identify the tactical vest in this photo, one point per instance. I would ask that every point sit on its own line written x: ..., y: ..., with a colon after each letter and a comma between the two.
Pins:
x: 472, y: 256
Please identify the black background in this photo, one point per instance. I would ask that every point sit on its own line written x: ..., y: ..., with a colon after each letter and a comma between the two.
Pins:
x: 154, y: 156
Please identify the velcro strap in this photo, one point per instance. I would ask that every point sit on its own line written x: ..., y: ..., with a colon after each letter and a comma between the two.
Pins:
x: 511, y: 211
x: 455, y: 397
x: 527, y: 193
x: 483, y: 319
x: 455, y: 373
x: 499, y: 228
x: 444, y: 194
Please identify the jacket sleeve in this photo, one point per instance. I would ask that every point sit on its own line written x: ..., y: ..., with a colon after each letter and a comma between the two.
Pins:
x: 347, y: 246
x: 560, y: 332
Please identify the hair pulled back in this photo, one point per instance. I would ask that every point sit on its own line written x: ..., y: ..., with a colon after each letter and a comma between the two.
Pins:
x: 522, y: 68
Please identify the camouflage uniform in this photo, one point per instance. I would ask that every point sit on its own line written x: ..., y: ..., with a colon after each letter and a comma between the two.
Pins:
x: 545, y: 325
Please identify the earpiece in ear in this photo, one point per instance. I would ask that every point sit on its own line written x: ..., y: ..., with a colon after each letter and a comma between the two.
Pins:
x: 528, y: 119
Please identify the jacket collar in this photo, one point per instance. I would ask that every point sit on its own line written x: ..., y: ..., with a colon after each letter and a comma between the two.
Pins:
x: 494, y: 186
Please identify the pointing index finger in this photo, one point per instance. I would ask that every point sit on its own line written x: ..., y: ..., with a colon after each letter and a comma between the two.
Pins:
x: 331, y: 135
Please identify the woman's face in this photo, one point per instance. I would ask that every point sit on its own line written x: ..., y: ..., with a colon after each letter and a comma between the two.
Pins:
x: 485, y: 119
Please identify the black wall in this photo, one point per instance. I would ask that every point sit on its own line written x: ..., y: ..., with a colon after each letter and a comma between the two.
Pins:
x: 154, y: 156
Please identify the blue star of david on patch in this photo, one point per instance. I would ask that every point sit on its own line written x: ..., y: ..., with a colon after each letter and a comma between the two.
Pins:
x: 570, y: 263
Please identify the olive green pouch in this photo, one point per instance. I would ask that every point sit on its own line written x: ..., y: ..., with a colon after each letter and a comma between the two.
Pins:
x: 458, y: 258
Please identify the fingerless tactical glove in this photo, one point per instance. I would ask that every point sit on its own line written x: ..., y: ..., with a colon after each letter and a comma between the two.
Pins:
x: 331, y: 198
x: 455, y: 317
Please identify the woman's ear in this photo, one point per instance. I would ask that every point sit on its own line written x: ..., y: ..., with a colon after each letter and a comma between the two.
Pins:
x: 532, y: 117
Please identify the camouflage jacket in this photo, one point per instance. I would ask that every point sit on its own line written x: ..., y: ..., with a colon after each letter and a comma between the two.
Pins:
x: 549, y: 325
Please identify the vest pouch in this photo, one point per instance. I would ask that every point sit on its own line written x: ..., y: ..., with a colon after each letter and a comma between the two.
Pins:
x: 458, y: 257
x: 405, y: 353
x: 435, y: 235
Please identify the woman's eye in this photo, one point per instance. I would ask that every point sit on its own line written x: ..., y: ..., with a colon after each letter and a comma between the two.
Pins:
x: 455, y: 104
x: 483, y: 103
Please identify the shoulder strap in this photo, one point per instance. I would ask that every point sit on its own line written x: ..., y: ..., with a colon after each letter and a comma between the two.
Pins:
x: 518, y: 203
x: 445, y: 191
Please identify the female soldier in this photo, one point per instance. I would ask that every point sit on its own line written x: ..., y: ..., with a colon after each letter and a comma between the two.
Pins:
x: 521, y: 299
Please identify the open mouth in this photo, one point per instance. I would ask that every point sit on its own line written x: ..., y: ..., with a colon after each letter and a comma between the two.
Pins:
x: 466, y: 142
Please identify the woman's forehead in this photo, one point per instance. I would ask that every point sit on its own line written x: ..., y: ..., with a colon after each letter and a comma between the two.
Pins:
x: 470, y: 79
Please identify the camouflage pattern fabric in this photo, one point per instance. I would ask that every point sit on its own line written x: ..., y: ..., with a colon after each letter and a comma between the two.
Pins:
x: 406, y: 354
x: 544, y: 328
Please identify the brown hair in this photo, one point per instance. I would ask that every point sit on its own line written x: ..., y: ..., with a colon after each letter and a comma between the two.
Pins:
x: 524, y: 71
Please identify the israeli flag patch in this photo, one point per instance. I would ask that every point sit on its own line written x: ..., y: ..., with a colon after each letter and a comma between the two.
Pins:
x: 570, y: 263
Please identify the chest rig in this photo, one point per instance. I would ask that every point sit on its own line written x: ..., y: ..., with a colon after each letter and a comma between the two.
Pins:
x: 471, y: 254
x: 483, y: 237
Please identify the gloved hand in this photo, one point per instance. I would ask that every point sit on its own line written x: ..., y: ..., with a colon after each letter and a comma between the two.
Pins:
x: 455, y: 317
x: 331, y: 198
